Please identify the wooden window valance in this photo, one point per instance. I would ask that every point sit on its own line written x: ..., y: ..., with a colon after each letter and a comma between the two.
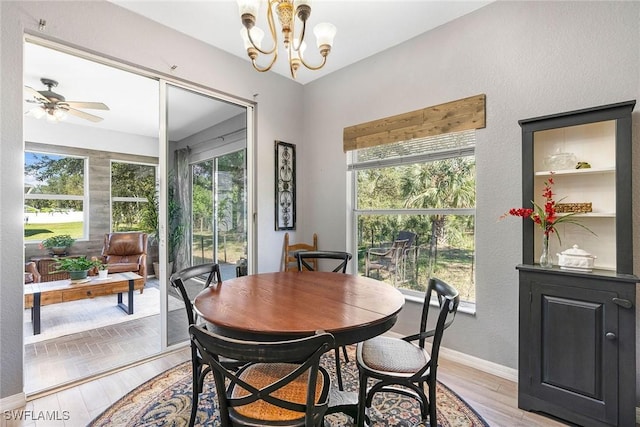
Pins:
x: 454, y: 116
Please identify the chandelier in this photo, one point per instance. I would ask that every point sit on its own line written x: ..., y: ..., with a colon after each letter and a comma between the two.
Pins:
x: 286, y: 10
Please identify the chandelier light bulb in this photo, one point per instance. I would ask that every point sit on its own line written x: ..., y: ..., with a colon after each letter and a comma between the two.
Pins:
x: 248, y: 7
x: 257, y: 35
x: 325, y: 33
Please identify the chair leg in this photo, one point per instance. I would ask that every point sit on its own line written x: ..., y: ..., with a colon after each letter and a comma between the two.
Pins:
x: 362, y: 397
x: 433, y: 418
x: 344, y: 353
x: 195, y: 393
x: 338, y: 370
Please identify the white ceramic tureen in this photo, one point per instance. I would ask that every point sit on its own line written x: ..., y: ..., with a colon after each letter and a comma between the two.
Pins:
x: 576, y: 259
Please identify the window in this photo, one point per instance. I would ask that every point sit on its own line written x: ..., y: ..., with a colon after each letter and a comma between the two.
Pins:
x: 55, y: 196
x: 133, y: 187
x: 414, y: 212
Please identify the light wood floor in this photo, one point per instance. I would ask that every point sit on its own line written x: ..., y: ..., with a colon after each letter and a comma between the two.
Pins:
x: 492, y: 397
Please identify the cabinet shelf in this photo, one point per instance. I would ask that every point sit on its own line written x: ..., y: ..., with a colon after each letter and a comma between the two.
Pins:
x: 590, y: 171
x: 591, y: 215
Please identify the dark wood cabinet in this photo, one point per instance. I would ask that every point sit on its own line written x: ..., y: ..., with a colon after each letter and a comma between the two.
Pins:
x: 577, y: 343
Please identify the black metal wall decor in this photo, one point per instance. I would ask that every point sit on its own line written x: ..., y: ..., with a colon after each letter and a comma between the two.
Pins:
x: 285, y: 185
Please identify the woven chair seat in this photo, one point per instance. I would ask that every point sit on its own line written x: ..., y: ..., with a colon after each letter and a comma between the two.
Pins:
x: 261, y: 375
x: 393, y: 355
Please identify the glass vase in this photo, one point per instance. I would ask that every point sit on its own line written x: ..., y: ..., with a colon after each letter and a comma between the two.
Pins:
x: 545, y: 257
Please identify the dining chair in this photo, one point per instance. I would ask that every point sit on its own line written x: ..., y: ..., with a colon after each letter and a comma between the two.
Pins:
x: 290, y: 250
x: 183, y: 282
x: 303, y: 257
x: 281, y: 384
x: 402, y: 362
x: 343, y: 259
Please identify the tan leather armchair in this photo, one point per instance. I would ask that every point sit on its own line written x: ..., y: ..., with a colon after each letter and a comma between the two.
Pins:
x: 126, y: 251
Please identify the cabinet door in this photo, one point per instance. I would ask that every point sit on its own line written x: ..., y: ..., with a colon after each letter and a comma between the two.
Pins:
x: 576, y: 340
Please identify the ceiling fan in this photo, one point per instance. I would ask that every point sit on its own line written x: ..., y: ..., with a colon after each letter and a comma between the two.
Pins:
x: 56, y: 107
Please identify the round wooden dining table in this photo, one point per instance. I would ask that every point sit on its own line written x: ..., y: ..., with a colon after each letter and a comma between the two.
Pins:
x: 286, y: 305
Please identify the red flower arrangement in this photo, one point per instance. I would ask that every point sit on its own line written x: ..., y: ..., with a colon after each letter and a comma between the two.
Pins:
x: 546, y: 217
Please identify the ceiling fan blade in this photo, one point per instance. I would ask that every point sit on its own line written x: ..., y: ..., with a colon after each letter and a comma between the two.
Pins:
x: 83, y: 115
x: 30, y: 92
x: 90, y: 105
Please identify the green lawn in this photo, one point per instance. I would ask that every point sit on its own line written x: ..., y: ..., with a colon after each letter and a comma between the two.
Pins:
x: 37, y: 232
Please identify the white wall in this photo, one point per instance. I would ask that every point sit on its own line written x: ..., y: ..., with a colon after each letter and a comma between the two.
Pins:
x: 113, y: 32
x: 530, y: 59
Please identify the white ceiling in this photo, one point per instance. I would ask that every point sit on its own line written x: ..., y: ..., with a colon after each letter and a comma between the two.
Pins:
x: 365, y: 27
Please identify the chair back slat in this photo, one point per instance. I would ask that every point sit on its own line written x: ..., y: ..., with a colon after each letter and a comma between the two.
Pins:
x: 303, y: 258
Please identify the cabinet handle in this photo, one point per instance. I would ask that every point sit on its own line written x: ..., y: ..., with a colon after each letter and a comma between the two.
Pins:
x: 625, y: 303
x: 610, y: 336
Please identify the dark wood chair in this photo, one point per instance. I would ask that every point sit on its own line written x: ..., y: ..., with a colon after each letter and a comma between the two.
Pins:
x: 282, y: 383
x: 343, y: 259
x: 187, y: 288
x: 303, y: 257
x: 401, y: 362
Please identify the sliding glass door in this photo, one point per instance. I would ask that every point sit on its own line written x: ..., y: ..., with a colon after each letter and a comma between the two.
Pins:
x: 206, y: 190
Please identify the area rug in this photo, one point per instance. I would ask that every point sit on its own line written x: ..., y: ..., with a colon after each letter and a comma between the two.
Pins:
x: 72, y: 317
x: 166, y: 401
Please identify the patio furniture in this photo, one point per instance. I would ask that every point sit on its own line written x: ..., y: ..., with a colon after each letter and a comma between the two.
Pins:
x: 393, y: 260
x: 290, y: 262
x: 399, y: 362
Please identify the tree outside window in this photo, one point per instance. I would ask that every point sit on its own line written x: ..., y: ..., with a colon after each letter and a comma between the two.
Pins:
x: 55, y: 196
x: 133, y: 186
x: 429, y: 194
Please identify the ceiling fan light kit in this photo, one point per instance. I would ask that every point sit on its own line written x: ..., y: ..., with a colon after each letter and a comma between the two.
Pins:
x: 55, y: 106
x: 287, y: 11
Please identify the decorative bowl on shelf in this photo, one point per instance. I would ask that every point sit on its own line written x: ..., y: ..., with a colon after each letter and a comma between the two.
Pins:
x: 576, y: 259
x: 560, y: 161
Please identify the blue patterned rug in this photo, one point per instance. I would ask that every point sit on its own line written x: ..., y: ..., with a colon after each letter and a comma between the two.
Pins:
x: 166, y: 401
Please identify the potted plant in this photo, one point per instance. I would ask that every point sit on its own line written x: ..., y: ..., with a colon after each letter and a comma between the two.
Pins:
x: 78, y: 268
x: 103, y: 269
x: 58, y: 245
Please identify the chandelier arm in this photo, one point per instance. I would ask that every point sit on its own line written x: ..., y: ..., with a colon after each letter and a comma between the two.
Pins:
x: 272, y: 30
x: 313, y: 67
x: 268, y: 67
x: 302, y: 34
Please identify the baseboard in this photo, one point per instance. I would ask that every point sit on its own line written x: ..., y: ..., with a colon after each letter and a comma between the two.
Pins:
x: 13, y: 402
x: 480, y: 364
